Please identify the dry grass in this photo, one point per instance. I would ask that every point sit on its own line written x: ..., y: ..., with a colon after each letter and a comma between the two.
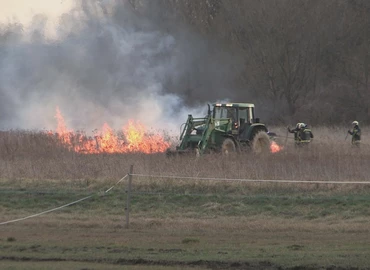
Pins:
x: 35, y: 155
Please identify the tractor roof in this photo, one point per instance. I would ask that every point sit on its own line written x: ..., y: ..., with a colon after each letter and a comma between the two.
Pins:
x: 243, y: 105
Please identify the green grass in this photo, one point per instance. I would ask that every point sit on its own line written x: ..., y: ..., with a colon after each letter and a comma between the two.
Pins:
x: 61, y: 265
x: 280, y: 249
x: 161, y: 205
x: 202, y: 227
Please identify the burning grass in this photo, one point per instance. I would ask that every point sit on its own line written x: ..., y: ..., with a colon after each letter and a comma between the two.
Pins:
x: 132, y: 138
x: 38, y: 155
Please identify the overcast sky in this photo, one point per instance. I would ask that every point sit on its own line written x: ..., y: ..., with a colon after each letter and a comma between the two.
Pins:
x: 23, y: 11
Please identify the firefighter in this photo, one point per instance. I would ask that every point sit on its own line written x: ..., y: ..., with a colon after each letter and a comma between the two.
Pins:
x: 356, y: 133
x: 305, y: 135
x: 295, y: 131
x: 302, y: 134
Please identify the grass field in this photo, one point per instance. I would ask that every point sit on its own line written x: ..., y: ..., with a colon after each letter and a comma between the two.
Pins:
x: 185, y: 223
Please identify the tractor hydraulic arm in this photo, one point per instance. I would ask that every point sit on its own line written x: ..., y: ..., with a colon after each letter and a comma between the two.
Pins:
x: 209, y: 127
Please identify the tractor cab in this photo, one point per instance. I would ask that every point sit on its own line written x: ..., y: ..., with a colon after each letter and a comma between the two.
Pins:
x: 235, y: 117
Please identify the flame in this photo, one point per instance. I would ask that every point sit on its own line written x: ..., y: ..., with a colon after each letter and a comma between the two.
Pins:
x: 274, y: 147
x: 108, y: 140
x: 138, y: 141
x: 134, y: 138
x: 62, y: 131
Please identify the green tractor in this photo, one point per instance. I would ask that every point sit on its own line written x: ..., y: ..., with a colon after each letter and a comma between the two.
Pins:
x: 227, y: 128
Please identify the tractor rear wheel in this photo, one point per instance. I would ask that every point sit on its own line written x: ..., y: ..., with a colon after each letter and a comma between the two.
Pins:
x: 261, y: 143
x: 228, y: 146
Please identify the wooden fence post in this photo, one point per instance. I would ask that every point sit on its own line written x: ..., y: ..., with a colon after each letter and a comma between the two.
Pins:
x: 128, y: 196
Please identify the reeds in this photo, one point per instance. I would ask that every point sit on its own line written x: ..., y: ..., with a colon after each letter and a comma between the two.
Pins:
x: 37, y: 155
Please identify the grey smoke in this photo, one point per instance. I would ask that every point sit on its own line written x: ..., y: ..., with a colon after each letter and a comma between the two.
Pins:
x: 108, y: 64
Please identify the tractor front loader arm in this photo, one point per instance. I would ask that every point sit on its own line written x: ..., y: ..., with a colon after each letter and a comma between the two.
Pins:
x: 186, y: 136
x: 209, y: 128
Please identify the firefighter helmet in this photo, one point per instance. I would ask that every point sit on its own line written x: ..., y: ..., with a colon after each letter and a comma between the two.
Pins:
x: 355, y: 123
x: 300, y: 125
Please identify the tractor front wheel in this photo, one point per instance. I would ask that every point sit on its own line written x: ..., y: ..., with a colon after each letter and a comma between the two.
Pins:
x: 228, y: 146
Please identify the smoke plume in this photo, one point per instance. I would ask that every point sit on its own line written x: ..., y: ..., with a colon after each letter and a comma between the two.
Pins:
x: 107, y: 63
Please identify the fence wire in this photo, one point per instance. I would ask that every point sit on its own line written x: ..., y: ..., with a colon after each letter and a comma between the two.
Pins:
x: 63, y: 206
x: 251, y: 180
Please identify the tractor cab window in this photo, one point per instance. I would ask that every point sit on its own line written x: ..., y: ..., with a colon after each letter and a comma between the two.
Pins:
x: 220, y: 112
x: 225, y: 112
x: 244, y: 116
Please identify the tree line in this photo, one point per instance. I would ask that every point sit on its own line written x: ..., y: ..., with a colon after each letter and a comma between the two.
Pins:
x: 303, y: 60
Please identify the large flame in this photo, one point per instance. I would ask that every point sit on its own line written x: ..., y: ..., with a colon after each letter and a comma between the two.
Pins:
x: 274, y: 147
x: 133, y: 138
